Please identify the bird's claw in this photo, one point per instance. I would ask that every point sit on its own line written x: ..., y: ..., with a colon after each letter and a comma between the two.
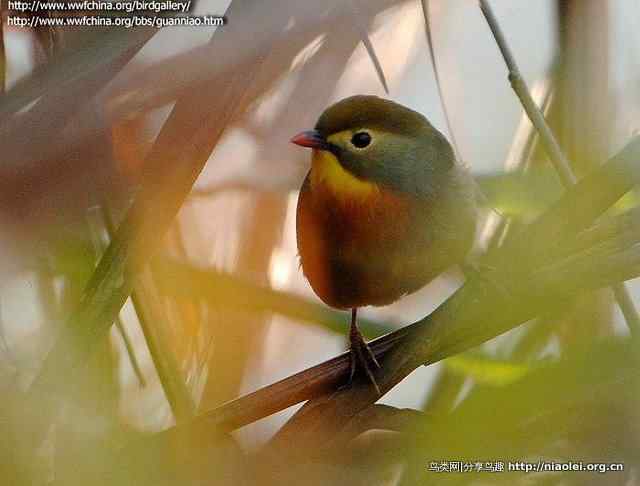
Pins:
x: 362, y: 354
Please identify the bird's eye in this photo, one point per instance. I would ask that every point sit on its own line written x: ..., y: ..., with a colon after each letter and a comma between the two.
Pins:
x: 361, y: 139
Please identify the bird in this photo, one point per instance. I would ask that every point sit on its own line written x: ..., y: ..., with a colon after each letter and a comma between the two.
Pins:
x: 383, y: 210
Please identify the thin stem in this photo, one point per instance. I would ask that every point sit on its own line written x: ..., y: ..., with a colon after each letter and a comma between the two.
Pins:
x: 368, y: 45
x: 521, y: 89
x: 436, y: 74
x: 146, y: 302
x: 180, y: 400
x: 133, y: 359
x: 98, y: 248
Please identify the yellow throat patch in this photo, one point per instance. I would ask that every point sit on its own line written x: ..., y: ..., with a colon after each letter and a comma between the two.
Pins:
x: 327, y: 171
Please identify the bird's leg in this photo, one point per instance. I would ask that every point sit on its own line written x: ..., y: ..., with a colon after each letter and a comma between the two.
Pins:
x: 361, y: 352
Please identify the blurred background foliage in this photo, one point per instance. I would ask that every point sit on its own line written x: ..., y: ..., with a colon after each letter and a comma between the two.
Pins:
x: 91, y: 116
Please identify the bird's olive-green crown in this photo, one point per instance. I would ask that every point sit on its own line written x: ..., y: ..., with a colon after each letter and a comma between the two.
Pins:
x: 387, y: 143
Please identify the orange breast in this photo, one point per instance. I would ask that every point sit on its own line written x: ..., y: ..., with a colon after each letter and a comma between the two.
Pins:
x: 349, y: 246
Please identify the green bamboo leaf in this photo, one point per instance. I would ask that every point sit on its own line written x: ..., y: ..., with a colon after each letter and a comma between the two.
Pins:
x: 488, y: 371
x: 520, y: 195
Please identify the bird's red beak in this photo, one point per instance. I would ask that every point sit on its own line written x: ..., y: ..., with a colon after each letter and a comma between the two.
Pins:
x: 311, y: 139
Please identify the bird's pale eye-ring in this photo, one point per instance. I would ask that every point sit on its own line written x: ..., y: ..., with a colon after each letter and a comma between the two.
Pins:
x: 361, y: 140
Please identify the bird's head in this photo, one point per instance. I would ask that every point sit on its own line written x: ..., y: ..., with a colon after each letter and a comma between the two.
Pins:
x: 365, y: 143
